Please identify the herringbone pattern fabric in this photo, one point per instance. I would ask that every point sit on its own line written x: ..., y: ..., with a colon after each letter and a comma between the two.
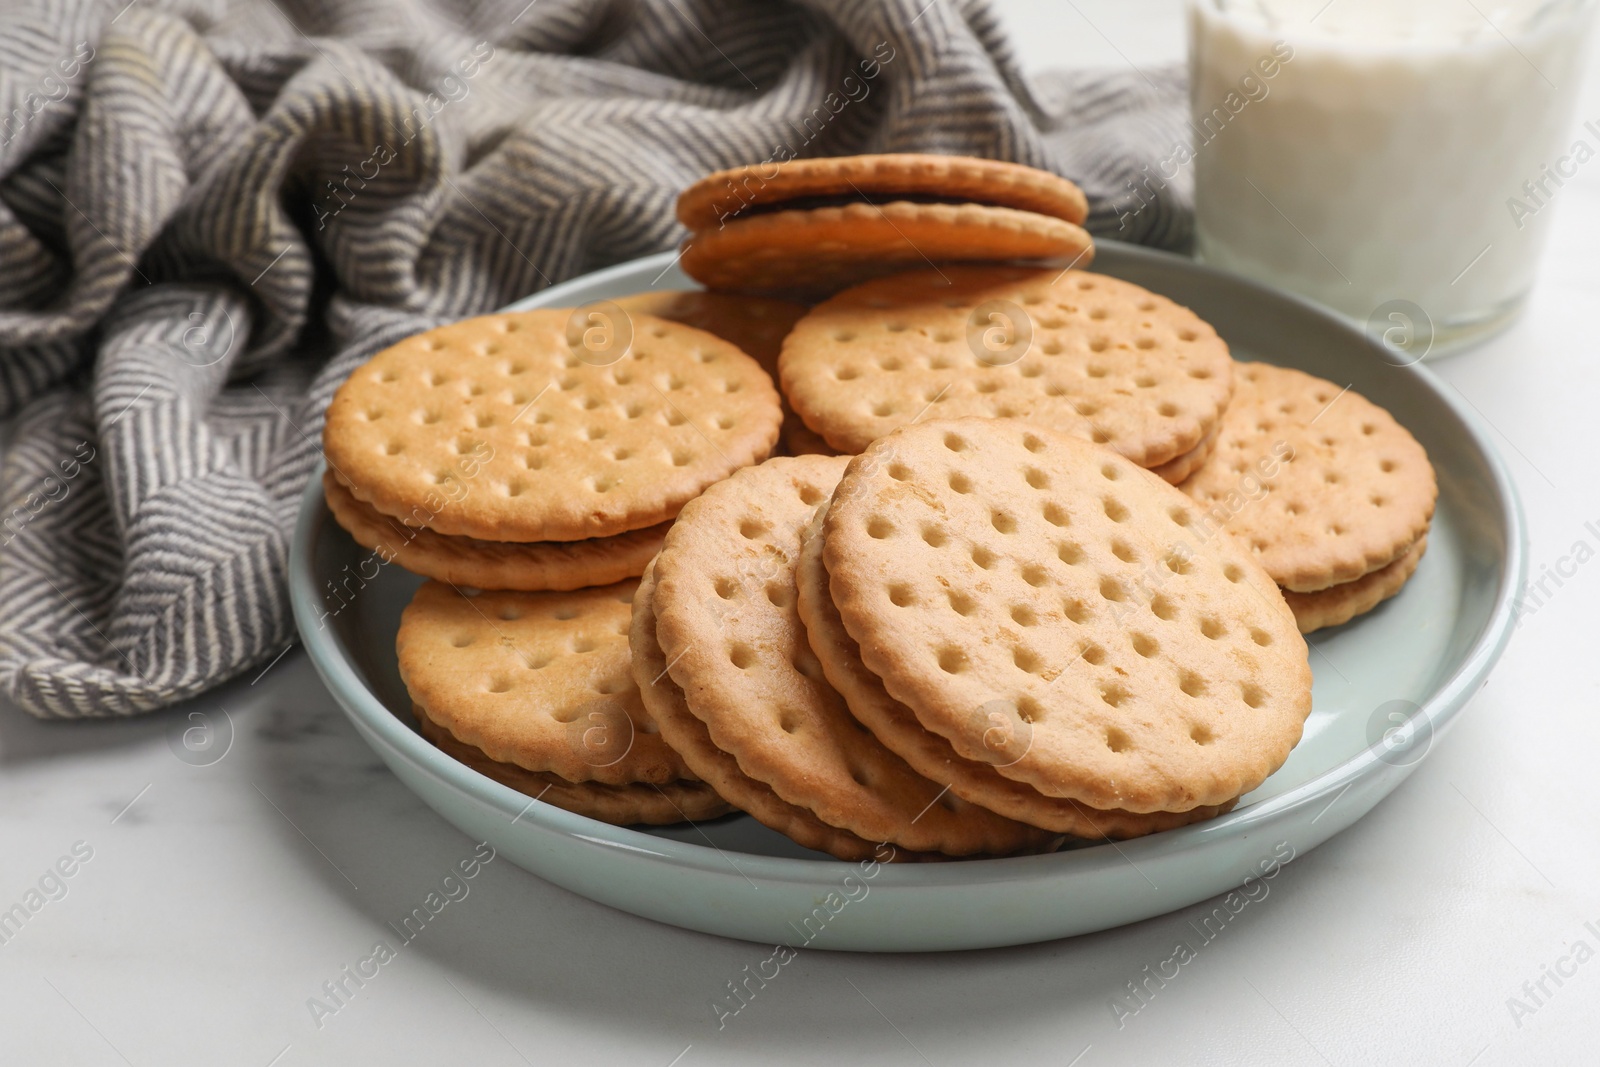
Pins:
x: 211, y: 211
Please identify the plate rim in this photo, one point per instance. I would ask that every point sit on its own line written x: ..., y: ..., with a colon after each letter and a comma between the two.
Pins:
x: 1440, y: 710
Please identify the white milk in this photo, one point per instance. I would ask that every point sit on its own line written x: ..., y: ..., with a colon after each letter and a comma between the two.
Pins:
x: 1400, y: 150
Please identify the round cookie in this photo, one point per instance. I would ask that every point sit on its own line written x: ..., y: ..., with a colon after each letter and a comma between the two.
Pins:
x: 756, y: 324
x: 723, y: 194
x: 931, y: 755
x: 727, y: 623
x: 1340, y: 603
x: 688, y: 735
x: 622, y: 805
x: 825, y: 249
x: 541, y: 680
x: 1083, y: 353
x: 513, y: 427
x: 1320, y: 483
x: 1003, y: 577
x: 530, y: 566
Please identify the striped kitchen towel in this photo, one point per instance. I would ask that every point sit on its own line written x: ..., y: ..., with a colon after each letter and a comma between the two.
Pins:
x: 210, y: 211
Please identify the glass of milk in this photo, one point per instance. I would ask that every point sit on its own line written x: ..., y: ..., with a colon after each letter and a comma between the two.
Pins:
x: 1398, y: 160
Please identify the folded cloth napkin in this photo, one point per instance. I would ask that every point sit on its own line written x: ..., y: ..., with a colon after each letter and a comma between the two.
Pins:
x: 211, y: 212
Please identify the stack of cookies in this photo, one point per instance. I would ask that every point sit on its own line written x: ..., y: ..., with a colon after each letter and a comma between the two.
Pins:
x: 814, y: 226
x: 535, y: 691
x: 973, y: 632
x: 541, y: 454
x: 536, y: 450
x: 1331, y: 495
x: 727, y: 673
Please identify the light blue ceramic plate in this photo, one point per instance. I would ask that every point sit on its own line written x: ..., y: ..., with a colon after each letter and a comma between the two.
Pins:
x: 1386, y: 687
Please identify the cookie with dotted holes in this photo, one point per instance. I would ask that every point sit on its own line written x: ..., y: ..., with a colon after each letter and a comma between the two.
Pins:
x: 529, y: 566
x: 725, y: 194
x: 513, y: 427
x: 688, y: 735
x: 928, y: 753
x: 1083, y: 353
x: 1340, y: 603
x: 727, y: 623
x: 756, y: 324
x: 1320, y: 483
x: 541, y: 680
x: 622, y: 805
x: 1022, y: 589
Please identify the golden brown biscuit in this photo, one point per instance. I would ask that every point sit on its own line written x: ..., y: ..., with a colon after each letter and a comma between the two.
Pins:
x: 1001, y: 576
x: 511, y: 428
x: 1322, y: 484
x: 724, y: 194
x: 541, y: 680
x: 930, y: 754
x: 1083, y: 353
x: 822, y: 250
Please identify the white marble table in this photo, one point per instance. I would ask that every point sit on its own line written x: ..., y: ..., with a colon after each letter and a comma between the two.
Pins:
x: 207, y: 905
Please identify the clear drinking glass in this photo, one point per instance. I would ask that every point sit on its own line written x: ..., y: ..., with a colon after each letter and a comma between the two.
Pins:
x: 1397, y: 160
